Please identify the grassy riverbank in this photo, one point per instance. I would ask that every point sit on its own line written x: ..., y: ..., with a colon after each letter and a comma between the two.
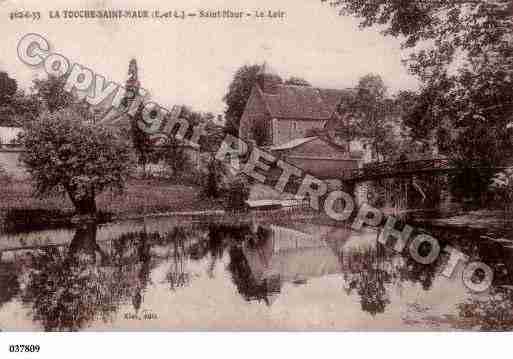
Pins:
x: 141, y: 197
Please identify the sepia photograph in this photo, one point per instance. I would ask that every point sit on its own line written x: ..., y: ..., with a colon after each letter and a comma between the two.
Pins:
x: 268, y: 166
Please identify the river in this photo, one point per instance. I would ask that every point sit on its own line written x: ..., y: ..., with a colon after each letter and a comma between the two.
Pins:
x: 165, y: 274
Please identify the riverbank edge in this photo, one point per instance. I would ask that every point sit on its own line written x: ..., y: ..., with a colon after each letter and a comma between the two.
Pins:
x: 217, y: 215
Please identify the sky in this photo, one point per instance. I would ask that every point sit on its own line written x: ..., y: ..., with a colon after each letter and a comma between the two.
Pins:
x: 192, y: 62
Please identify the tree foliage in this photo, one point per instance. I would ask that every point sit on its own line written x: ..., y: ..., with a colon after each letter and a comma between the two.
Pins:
x: 64, y: 152
x: 140, y: 140
x: 173, y: 153
x: 238, y: 95
x: 211, y: 188
x: 502, y: 187
x: 368, y: 116
x: 465, y: 63
x: 15, y: 106
x: 8, y: 88
x: 51, y: 94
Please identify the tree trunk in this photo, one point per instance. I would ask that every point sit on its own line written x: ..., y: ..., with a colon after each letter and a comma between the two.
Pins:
x: 86, y: 205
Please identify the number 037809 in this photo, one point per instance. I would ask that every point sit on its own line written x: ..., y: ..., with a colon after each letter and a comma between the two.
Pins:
x: 23, y: 348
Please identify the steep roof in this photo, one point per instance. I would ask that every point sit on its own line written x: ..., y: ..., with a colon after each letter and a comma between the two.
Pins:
x: 316, y: 146
x: 291, y: 144
x: 303, y: 102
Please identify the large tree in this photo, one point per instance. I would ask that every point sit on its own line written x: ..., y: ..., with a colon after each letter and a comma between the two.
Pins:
x: 13, y: 102
x: 369, y: 117
x: 238, y: 95
x: 8, y: 87
x: 66, y: 153
x: 140, y: 140
x: 465, y: 63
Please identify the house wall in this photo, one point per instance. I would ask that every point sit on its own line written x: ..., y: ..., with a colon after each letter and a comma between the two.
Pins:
x: 322, y: 168
x: 320, y: 149
x: 9, y: 162
x: 320, y: 159
x: 285, y: 130
x: 254, y: 113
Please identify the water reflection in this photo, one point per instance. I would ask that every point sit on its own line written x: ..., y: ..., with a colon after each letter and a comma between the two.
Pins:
x: 492, y: 313
x: 178, y: 276
x: 69, y: 287
x: 367, y: 276
x: 9, y: 282
x: 94, y: 279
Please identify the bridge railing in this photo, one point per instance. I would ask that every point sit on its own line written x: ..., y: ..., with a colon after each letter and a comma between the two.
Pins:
x: 383, y: 169
x: 391, y: 169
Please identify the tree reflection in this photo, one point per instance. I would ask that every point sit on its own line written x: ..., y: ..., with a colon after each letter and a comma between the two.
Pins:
x: 131, y: 265
x: 69, y: 288
x: 9, y: 283
x: 249, y: 286
x: 493, y: 310
x: 493, y: 313
x: 216, y: 246
x: 177, y: 275
x: 414, y: 272
x: 365, y: 273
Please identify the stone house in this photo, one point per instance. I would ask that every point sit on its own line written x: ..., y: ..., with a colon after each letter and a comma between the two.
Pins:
x: 283, y: 118
x: 276, y: 113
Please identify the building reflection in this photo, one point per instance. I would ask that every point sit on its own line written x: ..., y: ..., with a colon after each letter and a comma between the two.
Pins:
x: 273, y: 255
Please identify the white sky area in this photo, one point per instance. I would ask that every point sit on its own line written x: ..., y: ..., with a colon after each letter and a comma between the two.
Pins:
x: 192, y: 61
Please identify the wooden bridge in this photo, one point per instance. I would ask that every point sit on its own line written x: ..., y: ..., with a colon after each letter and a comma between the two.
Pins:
x: 381, y: 170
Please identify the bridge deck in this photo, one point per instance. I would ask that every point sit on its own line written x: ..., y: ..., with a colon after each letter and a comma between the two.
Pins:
x: 382, y: 170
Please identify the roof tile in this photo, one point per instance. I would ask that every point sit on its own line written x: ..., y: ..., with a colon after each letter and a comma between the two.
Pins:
x: 303, y: 102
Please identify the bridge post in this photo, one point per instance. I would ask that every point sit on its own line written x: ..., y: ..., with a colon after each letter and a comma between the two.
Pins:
x: 360, y: 192
x: 388, y: 190
x: 446, y: 198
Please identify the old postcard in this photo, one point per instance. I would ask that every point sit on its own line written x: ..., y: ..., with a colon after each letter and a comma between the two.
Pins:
x: 270, y: 165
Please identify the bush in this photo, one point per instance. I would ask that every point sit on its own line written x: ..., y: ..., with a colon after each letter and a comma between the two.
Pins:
x: 192, y: 176
x: 236, y: 194
x: 211, y: 180
x: 502, y: 188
